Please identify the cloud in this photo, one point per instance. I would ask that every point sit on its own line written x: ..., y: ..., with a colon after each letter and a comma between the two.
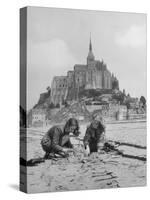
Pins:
x: 46, y: 60
x: 54, y: 54
x: 134, y: 37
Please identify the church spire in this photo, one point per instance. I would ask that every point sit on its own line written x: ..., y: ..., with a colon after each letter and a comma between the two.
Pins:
x: 90, y: 45
x: 90, y: 56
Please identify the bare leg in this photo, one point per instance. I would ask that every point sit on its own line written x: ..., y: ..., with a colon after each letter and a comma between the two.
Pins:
x: 46, y: 155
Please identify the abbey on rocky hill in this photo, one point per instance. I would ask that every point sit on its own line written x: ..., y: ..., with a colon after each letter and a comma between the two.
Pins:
x: 92, y: 75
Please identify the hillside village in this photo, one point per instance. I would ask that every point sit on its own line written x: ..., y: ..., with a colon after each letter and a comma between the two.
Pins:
x: 112, y: 106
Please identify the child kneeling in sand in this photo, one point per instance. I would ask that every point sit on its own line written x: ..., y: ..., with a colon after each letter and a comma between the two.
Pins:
x: 57, y: 138
x: 94, y: 135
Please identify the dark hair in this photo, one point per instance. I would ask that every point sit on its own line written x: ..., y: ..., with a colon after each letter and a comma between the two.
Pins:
x: 101, y: 126
x: 69, y: 124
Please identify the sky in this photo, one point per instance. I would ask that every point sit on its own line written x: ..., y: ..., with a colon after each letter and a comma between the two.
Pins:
x: 57, y: 39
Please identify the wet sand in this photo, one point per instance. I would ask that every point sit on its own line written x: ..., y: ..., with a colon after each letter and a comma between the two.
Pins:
x: 99, y: 170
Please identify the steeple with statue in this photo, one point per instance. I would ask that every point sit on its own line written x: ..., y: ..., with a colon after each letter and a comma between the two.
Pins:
x: 90, y: 56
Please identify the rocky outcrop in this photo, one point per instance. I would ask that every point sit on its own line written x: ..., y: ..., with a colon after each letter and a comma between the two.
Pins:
x: 77, y: 110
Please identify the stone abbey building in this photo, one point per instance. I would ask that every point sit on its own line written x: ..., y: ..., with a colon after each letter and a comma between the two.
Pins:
x: 92, y: 75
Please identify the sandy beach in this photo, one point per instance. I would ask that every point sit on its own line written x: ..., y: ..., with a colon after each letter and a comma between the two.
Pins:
x: 99, y: 170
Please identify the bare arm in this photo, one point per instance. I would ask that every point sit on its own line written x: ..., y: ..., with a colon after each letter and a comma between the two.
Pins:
x: 86, y: 137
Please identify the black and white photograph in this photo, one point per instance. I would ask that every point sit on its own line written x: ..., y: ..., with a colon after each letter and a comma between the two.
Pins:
x: 83, y: 99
